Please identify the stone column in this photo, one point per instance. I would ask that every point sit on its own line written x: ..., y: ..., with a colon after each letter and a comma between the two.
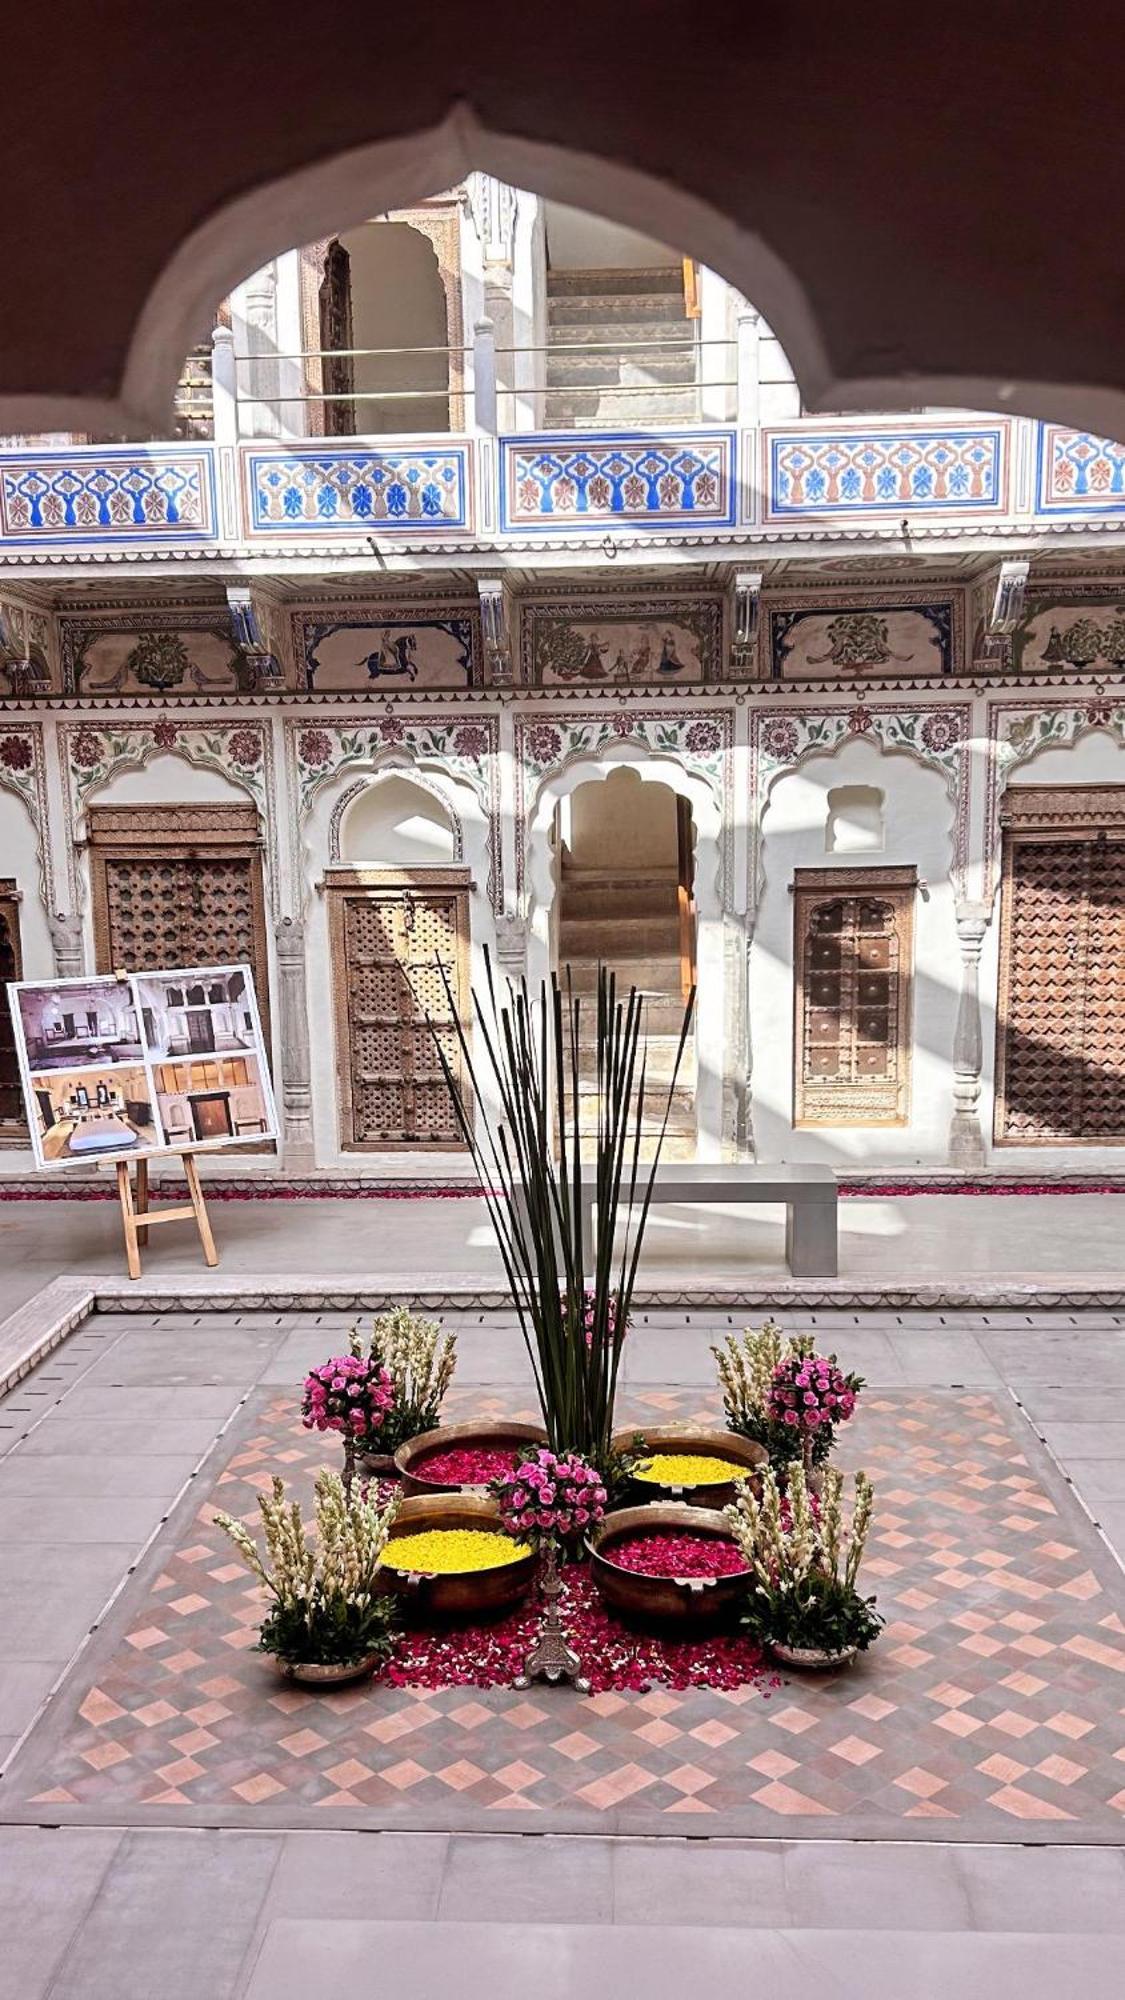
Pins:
x: 68, y: 944
x: 966, y: 1142
x: 298, y: 1154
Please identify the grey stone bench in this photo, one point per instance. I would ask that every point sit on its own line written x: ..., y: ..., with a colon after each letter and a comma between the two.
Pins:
x: 808, y: 1192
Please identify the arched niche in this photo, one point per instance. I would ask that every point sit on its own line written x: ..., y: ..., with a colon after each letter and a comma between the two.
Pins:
x: 395, y: 822
x: 714, y: 998
x: 390, y: 292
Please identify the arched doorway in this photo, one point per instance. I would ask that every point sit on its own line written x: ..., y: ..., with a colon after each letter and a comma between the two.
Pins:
x: 400, y: 931
x: 384, y: 332
x: 625, y: 862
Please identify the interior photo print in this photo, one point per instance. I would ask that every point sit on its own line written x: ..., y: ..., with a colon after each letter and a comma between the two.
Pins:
x: 223, y: 1097
x: 76, y: 1021
x: 93, y: 1113
x: 201, y: 1011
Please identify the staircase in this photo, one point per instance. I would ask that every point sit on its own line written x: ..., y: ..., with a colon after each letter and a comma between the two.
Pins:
x: 631, y: 923
x: 611, y: 313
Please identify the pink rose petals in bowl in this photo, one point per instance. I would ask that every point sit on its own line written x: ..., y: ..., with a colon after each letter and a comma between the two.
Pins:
x: 464, y: 1458
x: 627, y: 1567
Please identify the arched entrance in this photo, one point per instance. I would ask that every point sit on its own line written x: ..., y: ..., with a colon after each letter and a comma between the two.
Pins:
x: 625, y: 864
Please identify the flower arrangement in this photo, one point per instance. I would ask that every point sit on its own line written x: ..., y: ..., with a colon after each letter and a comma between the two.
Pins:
x: 420, y: 1360
x: 326, y: 1609
x: 590, y: 1317
x: 805, y: 1561
x: 808, y: 1396
x: 551, y: 1496
x: 754, y: 1371
x: 352, y: 1394
x: 688, y: 1468
x: 677, y: 1555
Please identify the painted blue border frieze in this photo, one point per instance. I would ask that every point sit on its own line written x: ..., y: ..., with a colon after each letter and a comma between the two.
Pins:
x: 810, y: 474
x: 616, y: 479
x: 107, y: 493
x: 356, y: 489
x: 1077, y: 473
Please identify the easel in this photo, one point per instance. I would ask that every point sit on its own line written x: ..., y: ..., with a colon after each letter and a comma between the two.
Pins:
x: 137, y: 1218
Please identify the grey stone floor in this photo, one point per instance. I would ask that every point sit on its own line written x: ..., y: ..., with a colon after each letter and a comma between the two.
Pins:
x: 94, y: 1448
x: 908, y: 1239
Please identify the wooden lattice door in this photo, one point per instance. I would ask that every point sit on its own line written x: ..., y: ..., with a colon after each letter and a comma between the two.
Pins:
x: 1060, y: 1056
x: 854, y: 948
x: 179, y: 886
x: 392, y: 941
x: 12, y: 1123
x: 336, y: 341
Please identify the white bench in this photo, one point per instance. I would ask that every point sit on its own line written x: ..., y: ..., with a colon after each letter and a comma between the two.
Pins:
x: 808, y: 1192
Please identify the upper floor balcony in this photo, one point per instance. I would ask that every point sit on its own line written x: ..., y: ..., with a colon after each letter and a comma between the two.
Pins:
x: 485, y: 375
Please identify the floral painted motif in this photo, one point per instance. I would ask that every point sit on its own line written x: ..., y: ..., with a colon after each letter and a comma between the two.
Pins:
x: 941, y: 731
x: 543, y: 743
x: 780, y: 740
x: 392, y: 730
x: 245, y: 747
x: 16, y: 753
x: 471, y: 740
x: 703, y: 739
x: 86, y: 750
x: 314, y: 746
x: 622, y: 724
x: 164, y: 735
x: 860, y: 720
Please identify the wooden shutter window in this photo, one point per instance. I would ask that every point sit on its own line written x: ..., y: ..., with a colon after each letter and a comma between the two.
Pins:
x: 853, y: 958
x: 1060, y: 1033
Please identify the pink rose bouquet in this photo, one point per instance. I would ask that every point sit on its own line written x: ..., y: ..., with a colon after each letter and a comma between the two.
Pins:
x: 808, y: 1397
x: 551, y: 1496
x: 350, y: 1394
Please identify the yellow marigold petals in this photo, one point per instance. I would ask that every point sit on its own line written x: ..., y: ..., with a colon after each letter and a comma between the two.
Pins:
x: 685, y: 1468
x: 452, y: 1551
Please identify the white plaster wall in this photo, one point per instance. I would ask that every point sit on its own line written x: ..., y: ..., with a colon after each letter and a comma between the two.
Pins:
x: 395, y: 823
x: 398, y: 301
x: 464, y: 804
x: 578, y: 241
x: 918, y: 824
x: 1095, y: 759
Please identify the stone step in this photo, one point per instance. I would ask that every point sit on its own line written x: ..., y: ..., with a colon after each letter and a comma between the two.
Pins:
x: 651, y: 974
x: 608, y: 309
x: 648, y: 336
x: 662, y: 1013
x: 618, y: 938
x: 601, y: 893
x: 611, y: 371
x: 666, y: 279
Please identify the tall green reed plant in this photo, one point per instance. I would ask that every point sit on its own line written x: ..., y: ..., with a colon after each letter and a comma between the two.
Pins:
x: 531, y: 1147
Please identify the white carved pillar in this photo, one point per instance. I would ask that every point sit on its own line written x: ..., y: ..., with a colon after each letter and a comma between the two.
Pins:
x: 68, y: 944
x: 748, y: 393
x: 296, y: 1074
x: 966, y: 1143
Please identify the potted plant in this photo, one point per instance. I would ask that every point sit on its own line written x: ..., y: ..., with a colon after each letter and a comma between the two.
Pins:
x: 772, y: 1394
x: 329, y: 1621
x: 352, y: 1394
x: 573, y: 1310
x: 805, y: 1559
x: 551, y: 1498
x: 419, y: 1360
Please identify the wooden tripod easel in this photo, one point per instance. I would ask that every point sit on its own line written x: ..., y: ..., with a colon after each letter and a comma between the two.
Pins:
x: 137, y: 1218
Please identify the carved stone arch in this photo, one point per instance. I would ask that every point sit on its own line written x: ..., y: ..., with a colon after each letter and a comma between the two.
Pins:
x: 394, y: 769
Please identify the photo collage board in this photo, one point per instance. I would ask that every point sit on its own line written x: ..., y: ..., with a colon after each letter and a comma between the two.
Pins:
x: 122, y: 1066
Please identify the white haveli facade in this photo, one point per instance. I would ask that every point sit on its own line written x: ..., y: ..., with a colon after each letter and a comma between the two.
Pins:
x: 497, y: 593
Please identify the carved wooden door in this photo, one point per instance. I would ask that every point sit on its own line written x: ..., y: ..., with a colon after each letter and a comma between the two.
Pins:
x: 336, y: 341
x: 12, y: 1123
x: 853, y: 959
x: 170, y: 894
x: 1061, y: 1024
x: 391, y: 945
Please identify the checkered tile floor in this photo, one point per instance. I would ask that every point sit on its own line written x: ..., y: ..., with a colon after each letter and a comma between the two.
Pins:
x: 991, y: 1709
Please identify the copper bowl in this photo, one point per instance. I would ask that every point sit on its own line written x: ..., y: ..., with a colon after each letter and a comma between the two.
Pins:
x: 410, y: 1458
x: 475, y: 1593
x: 693, y: 1603
x: 686, y: 1438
